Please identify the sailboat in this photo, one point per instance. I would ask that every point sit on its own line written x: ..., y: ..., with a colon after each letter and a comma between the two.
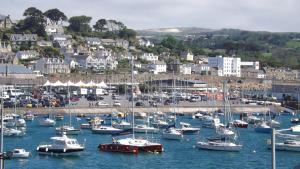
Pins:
x: 47, y: 121
x: 225, y: 143
x: 68, y: 129
x: 171, y: 132
x: 131, y: 144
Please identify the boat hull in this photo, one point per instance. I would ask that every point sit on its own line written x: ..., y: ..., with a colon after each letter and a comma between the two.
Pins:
x: 263, y: 130
x: 118, y: 148
x: 130, y: 148
x: 52, y: 151
x: 206, y: 146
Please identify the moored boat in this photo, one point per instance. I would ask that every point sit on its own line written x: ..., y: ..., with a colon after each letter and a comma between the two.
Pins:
x: 172, y: 134
x: 132, y: 145
x: 219, y: 146
x: 105, y: 130
x: 69, y: 130
x: 20, y: 153
x: 61, y: 146
x: 240, y: 124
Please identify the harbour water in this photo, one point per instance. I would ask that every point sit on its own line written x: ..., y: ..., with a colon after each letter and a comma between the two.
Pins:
x: 176, y: 155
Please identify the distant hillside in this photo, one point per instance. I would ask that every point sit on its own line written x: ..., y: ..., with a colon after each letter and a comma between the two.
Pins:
x: 180, y: 31
x: 270, y: 48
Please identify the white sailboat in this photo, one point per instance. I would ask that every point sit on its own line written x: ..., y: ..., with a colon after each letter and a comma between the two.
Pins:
x: 171, y: 132
x: 131, y: 144
x: 226, y: 142
x: 48, y: 121
x: 68, y: 129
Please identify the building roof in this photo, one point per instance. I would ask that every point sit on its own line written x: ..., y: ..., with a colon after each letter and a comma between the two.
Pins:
x: 2, y: 17
x: 14, y: 69
x: 108, y: 41
x: 23, y: 37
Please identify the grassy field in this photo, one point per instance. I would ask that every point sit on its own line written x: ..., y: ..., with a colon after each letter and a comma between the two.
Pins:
x: 293, y: 44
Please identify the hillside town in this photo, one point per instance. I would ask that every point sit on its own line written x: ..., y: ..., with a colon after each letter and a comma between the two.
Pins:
x: 99, y: 81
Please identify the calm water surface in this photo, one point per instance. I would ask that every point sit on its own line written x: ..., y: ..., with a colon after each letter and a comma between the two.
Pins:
x: 177, y: 154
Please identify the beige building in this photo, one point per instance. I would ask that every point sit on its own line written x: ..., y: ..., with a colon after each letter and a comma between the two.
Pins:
x: 5, y: 22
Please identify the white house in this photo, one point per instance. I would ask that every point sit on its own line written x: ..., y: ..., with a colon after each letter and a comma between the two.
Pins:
x: 28, y: 54
x: 149, y: 57
x: 52, y: 66
x: 93, y: 41
x: 158, y: 67
x: 185, y: 69
x: 226, y: 66
x: 60, y: 37
x: 187, y: 55
x: 145, y: 42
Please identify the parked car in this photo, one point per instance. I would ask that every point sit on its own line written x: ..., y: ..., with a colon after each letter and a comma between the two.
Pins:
x: 117, y: 103
x: 140, y: 104
x: 102, y: 103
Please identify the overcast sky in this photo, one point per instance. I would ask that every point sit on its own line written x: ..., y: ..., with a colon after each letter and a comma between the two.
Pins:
x: 266, y: 15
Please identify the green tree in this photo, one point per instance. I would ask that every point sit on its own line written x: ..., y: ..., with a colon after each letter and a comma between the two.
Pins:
x: 33, y: 12
x: 100, y: 25
x: 55, y: 15
x: 33, y: 23
x: 80, y: 24
x: 49, y: 52
x: 127, y: 34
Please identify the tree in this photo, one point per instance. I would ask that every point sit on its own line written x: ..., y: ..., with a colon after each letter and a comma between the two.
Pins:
x: 55, y: 15
x: 80, y: 24
x: 33, y: 12
x: 49, y: 52
x: 100, y: 25
x: 33, y: 23
x: 127, y: 34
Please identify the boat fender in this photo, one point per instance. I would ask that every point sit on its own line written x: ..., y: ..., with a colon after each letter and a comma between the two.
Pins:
x: 46, y: 149
x: 38, y: 148
x: 64, y: 150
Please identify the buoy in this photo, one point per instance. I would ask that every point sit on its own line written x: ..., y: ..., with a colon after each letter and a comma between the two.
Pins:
x: 254, y: 151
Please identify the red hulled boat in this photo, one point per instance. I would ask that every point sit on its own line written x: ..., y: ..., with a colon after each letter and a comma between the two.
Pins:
x: 240, y: 124
x: 131, y: 145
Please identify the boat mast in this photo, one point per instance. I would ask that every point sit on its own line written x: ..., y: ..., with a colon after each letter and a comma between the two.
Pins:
x: 70, y: 122
x: 1, y: 141
x: 224, y: 101
x: 132, y: 100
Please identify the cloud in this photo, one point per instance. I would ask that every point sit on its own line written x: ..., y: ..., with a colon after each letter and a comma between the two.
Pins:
x: 269, y: 15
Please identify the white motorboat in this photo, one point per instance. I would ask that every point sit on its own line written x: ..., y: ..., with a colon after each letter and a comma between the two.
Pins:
x: 288, y: 145
x: 61, y: 146
x: 105, y: 130
x: 140, y: 115
x: 145, y: 129
x: 295, y: 129
x: 13, y: 132
x: 28, y: 117
x: 160, y: 124
x: 187, y: 129
x: 47, y: 122
x: 219, y: 146
x: 197, y: 115
x: 122, y: 125
x: 9, y: 121
x: 211, y: 122
x: 20, y: 123
x: 69, y: 130
x: 20, y: 153
x: 172, y: 134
